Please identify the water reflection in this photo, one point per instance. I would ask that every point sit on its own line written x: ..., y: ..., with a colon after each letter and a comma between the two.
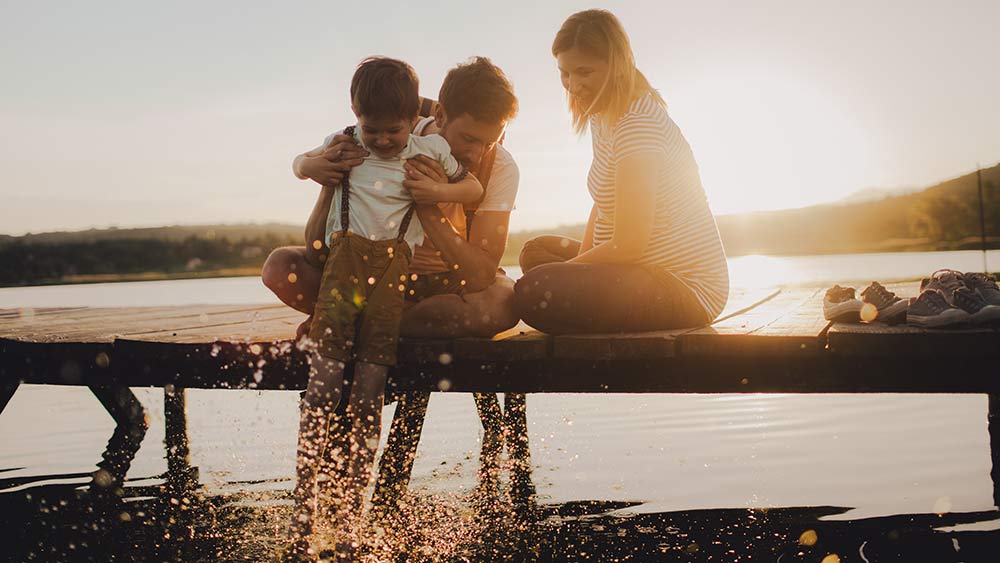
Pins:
x: 154, y: 523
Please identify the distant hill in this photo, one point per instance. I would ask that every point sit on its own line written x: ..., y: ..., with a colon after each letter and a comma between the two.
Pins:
x: 167, y: 233
x: 942, y: 217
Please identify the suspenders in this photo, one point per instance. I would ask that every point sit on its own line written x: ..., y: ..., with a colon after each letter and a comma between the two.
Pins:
x: 345, y: 203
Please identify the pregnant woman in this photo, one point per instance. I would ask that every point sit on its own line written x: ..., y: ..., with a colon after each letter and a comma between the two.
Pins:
x: 651, y: 257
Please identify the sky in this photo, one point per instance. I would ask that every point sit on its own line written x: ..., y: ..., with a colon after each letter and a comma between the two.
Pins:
x: 160, y: 113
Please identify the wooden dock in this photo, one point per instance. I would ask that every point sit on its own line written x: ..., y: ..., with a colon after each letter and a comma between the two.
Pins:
x: 766, y: 341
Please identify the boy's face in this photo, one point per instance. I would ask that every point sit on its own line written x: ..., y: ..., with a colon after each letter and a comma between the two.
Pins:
x: 469, y: 139
x: 385, y: 136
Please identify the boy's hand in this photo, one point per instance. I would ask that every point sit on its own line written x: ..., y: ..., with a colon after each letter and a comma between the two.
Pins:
x: 422, y: 167
x: 327, y: 169
x: 424, y: 190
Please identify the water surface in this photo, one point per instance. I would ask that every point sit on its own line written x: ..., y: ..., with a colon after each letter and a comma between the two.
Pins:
x: 637, y: 477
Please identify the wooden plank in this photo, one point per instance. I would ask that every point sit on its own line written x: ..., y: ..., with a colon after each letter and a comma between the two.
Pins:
x: 516, y: 344
x: 22, y: 312
x: 261, y: 325
x: 104, y: 324
x: 789, y: 325
x: 655, y: 344
x: 881, y: 340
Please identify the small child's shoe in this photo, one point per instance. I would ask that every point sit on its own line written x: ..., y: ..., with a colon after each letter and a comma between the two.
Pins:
x: 840, y: 305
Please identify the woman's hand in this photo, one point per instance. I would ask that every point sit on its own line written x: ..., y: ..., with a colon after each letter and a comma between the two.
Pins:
x: 327, y: 166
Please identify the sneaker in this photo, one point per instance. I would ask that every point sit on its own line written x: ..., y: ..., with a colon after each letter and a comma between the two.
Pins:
x: 840, y: 305
x: 985, y: 285
x: 972, y: 303
x: 930, y: 309
x: 888, y: 307
x: 946, y: 281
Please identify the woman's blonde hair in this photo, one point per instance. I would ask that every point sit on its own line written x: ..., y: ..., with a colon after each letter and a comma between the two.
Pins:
x: 598, y: 33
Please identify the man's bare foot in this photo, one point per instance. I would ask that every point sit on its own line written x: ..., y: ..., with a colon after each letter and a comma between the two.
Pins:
x: 303, y: 328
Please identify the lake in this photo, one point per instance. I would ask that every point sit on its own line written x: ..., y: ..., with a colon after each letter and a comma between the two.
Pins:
x: 632, y: 477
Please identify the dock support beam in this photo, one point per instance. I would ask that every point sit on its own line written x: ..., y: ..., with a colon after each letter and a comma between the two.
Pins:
x: 180, y: 474
x: 993, y: 423
x: 7, y: 390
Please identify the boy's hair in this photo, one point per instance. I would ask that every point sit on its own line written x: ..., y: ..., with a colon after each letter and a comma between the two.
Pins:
x: 384, y: 87
x: 480, y: 89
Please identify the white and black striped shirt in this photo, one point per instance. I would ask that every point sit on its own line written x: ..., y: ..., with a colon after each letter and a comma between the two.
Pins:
x: 685, y: 239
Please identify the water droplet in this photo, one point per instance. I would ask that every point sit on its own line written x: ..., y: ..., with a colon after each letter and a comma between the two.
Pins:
x: 102, y: 360
x: 808, y: 538
x: 371, y: 280
x: 445, y: 358
x: 868, y: 312
x: 292, y: 277
x: 942, y: 505
x: 444, y: 385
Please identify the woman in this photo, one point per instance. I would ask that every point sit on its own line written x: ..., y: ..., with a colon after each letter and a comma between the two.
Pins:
x: 651, y: 257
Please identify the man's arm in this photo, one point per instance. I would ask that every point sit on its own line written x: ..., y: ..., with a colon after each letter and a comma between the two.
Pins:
x: 325, y: 165
x: 477, y: 259
x: 466, y: 190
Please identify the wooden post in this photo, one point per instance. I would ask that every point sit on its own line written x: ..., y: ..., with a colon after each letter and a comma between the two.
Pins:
x: 400, y: 450
x: 130, y: 429
x: 522, y: 491
x: 180, y: 474
x: 7, y: 390
x: 993, y: 423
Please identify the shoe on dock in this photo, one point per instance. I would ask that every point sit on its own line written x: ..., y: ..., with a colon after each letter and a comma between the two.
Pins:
x: 931, y: 309
x: 957, y: 292
x: 983, y: 284
x: 972, y: 303
x: 890, y: 307
x: 840, y: 305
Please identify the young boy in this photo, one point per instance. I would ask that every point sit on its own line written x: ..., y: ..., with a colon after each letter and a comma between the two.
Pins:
x: 360, y: 301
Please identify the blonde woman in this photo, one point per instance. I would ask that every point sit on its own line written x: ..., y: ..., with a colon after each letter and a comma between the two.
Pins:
x: 651, y: 257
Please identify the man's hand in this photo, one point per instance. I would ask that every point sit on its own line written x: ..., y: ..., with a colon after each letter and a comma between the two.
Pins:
x: 328, y: 167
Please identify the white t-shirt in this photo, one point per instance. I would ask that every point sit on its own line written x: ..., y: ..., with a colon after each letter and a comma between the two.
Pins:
x: 685, y: 240
x: 378, y: 200
x: 500, y: 194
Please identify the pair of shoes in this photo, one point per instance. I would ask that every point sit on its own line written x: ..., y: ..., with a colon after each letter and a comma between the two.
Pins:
x: 974, y: 294
x: 877, y: 302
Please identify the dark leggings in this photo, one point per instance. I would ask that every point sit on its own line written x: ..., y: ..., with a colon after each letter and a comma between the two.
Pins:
x: 560, y: 298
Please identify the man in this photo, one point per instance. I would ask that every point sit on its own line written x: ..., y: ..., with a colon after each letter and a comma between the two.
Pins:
x: 459, y: 290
